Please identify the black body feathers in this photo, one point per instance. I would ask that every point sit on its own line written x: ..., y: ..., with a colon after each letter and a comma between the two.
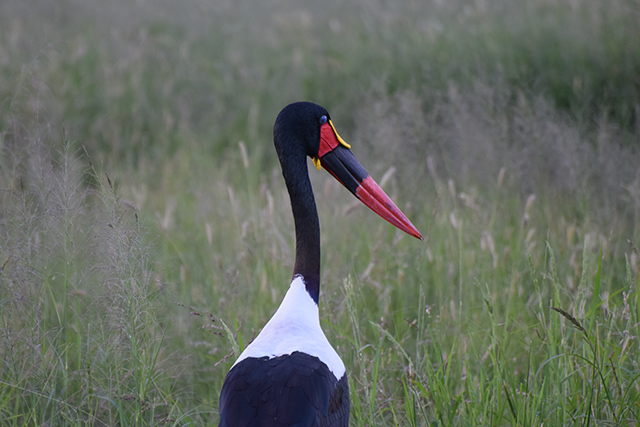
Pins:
x: 291, y: 390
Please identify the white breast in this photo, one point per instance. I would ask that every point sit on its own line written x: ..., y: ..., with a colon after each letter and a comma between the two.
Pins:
x: 295, y: 327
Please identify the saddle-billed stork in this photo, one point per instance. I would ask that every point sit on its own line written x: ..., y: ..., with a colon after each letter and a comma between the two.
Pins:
x: 290, y: 375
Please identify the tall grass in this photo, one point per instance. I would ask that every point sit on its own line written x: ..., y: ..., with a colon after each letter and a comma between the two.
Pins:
x: 145, y: 232
x: 81, y: 339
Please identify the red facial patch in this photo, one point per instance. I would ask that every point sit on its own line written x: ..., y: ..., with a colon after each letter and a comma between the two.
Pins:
x: 328, y: 140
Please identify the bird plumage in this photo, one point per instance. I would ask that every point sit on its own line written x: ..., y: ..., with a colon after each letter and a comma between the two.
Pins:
x: 302, y: 391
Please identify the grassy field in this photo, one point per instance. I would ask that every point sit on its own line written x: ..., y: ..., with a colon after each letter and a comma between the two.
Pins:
x: 146, y: 234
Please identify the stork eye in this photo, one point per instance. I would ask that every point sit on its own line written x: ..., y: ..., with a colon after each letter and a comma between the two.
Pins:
x: 323, y: 120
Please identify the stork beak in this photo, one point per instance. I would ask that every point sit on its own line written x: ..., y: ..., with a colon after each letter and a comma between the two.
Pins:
x: 334, y: 155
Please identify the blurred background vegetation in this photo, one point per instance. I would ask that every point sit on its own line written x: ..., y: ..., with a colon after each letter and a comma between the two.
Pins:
x: 145, y: 229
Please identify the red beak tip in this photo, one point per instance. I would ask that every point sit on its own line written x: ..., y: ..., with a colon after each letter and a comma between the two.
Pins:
x: 417, y: 235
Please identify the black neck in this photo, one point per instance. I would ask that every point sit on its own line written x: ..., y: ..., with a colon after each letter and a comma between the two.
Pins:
x: 307, y: 226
